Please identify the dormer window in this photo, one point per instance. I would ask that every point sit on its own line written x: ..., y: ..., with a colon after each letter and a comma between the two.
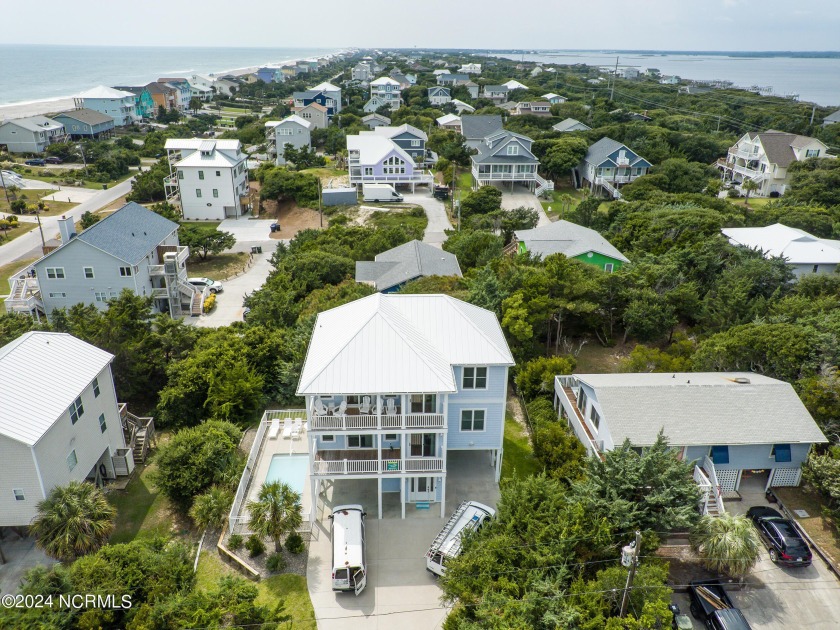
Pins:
x: 513, y: 149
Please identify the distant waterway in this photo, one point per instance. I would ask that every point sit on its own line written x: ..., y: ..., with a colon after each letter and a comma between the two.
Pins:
x: 814, y: 78
x: 36, y: 73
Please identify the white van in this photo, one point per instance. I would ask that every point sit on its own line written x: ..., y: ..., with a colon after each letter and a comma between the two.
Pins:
x: 349, y: 572
x: 380, y: 192
x: 470, y: 515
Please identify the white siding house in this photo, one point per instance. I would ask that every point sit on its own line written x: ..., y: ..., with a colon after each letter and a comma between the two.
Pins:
x: 209, y: 178
x: 70, y: 431
x: 117, y: 104
x: 386, y: 90
x: 394, y: 383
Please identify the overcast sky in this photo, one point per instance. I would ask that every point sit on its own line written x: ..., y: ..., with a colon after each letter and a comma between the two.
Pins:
x: 483, y: 24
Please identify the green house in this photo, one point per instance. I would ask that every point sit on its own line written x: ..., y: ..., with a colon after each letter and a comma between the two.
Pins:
x: 573, y: 241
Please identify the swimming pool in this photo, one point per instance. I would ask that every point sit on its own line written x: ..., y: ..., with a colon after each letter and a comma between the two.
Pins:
x: 290, y: 469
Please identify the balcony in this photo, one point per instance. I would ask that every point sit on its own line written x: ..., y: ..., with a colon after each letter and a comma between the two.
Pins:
x: 369, y: 412
x: 503, y: 176
x: 355, y: 422
x: 567, y: 390
x: 367, y: 462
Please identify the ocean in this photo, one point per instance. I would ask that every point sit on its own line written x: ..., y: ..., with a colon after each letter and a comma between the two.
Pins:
x: 814, y: 79
x: 35, y: 73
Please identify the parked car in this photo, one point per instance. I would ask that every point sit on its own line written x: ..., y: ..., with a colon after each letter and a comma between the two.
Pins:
x: 36, y: 162
x: 711, y: 605
x: 53, y: 160
x: 214, y: 286
x: 782, y: 539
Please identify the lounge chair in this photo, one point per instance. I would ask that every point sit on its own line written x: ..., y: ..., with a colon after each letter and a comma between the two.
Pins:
x: 318, y: 407
x: 364, y: 408
x: 296, y: 428
x: 342, y: 409
x: 390, y: 407
x: 273, y: 429
x: 287, y: 428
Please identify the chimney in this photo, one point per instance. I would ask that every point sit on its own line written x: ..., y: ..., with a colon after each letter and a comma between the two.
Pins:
x: 67, y: 228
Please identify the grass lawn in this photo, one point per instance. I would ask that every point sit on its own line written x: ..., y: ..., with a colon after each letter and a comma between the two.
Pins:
x: 6, y: 271
x: 13, y: 233
x: 822, y: 530
x: 594, y: 358
x: 325, y: 172
x: 196, y: 224
x: 518, y: 454
x: 556, y: 203
x: 141, y: 509
x: 398, y: 218
x: 32, y: 198
x: 218, y: 267
x: 59, y: 177
x: 286, y: 588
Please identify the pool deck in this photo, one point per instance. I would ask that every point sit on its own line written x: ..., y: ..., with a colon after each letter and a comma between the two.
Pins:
x: 280, y: 446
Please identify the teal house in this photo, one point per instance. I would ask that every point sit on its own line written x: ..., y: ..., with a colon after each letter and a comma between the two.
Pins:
x: 573, y: 241
x: 143, y: 102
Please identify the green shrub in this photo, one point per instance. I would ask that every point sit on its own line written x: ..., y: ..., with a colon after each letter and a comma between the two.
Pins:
x: 275, y: 563
x: 255, y: 546
x: 294, y: 543
x: 235, y: 542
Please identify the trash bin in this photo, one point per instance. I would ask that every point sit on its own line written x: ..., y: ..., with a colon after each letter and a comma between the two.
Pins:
x: 104, y: 186
x: 259, y: 249
x: 254, y: 249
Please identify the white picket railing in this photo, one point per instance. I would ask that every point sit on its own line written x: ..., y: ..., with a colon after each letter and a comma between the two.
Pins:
x: 709, y: 469
x: 349, y: 422
x: 425, y: 464
x: 374, y: 466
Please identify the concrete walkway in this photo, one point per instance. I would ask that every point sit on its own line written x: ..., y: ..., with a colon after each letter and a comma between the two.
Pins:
x: 72, y: 195
x: 436, y: 214
x: 520, y: 198
x: 21, y: 555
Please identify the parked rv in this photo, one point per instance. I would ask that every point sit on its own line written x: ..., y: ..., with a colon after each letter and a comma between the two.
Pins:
x: 469, y: 516
x: 349, y: 572
x: 380, y: 192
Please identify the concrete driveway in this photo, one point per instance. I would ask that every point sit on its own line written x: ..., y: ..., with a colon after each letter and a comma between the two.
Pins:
x: 248, y: 230
x: 436, y: 213
x: 523, y: 197
x: 229, y: 302
x: 21, y: 555
x: 400, y: 593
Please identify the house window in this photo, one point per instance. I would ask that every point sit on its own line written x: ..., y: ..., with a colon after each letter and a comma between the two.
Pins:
x: 72, y: 460
x: 77, y: 410
x: 472, y: 420
x: 594, y: 417
x: 513, y: 150
x: 368, y: 170
x: 608, y: 267
x: 474, y: 378
x: 581, y: 401
x: 55, y: 273
x: 359, y: 441
x: 809, y: 153
x: 125, y: 272
x: 101, y: 296
x: 390, y: 437
x: 198, y: 192
x: 328, y: 438
x: 102, y: 424
x: 216, y: 192
x: 781, y: 453
x: 719, y: 454
x: 19, y: 495
x: 180, y: 174
x: 58, y: 294
x: 816, y: 268
x: 218, y: 173
x: 423, y: 403
x: 200, y: 174
x: 95, y: 388
x: 415, y: 143
x: 88, y: 272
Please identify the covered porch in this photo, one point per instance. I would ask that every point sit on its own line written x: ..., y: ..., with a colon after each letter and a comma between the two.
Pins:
x: 354, y: 412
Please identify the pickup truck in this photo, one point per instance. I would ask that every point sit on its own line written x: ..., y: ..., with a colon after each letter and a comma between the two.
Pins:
x: 711, y: 605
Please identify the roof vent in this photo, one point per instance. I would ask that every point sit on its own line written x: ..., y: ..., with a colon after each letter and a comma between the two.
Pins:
x: 742, y: 380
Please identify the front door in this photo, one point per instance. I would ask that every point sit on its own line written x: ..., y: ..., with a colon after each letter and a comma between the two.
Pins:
x: 422, y: 489
x: 422, y: 445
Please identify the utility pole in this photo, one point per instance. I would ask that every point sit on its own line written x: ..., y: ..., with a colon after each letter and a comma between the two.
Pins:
x: 630, y: 558
x: 718, y: 126
x: 320, y: 209
x: 813, y: 111
x: 615, y: 74
x: 40, y: 229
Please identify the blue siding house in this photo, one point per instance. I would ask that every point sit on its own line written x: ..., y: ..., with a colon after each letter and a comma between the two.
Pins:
x: 395, y: 384
x: 744, y: 432
x: 85, y: 123
x: 302, y: 99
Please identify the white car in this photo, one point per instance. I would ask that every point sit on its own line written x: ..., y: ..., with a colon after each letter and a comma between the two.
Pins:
x: 214, y: 286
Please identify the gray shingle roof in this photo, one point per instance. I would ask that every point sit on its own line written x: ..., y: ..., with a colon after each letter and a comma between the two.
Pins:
x: 130, y: 233
x: 601, y: 150
x: 567, y: 238
x: 87, y: 116
x: 702, y: 408
x: 834, y: 117
x: 497, y: 154
x: 34, y: 123
x: 479, y: 127
x: 778, y: 146
x: 568, y: 123
x: 406, y: 262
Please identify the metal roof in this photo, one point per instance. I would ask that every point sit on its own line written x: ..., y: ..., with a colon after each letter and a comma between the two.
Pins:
x: 797, y: 246
x: 183, y: 144
x: 293, y: 118
x: 374, y: 148
x: 42, y: 374
x: 701, y: 408
x: 384, y: 81
x: 104, y: 92
x: 392, y: 132
x: 406, y: 262
x: 570, y: 239
x: 399, y: 343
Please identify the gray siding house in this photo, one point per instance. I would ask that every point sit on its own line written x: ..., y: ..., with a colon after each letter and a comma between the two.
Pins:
x: 30, y: 135
x: 293, y: 131
x: 85, y: 123
x: 391, y: 269
x: 133, y: 248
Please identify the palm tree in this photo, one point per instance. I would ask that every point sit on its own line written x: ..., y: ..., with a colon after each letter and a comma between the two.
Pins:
x: 73, y: 520
x: 211, y: 507
x: 728, y: 544
x: 748, y: 186
x: 276, y: 511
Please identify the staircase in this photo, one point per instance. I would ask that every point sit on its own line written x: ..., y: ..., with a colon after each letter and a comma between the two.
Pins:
x: 139, y: 433
x: 616, y: 194
x: 543, y: 185
x: 510, y: 248
x: 196, y: 297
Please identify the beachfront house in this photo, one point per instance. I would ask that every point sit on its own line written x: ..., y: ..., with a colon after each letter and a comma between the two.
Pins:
x: 804, y: 253
x: 163, y: 95
x: 117, y: 104
x: 292, y: 131
x: 144, y: 104
x: 505, y: 157
x: 207, y: 178
x: 439, y: 95
x: 85, y: 123
x: 202, y: 93
x: 571, y: 240
x: 570, y: 124
x: 765, y: 157
x: 387, y: 91
x: 392, y: 269
x: 396, y: 385
x: 609, y: 164
x: 374, y: 158
x: 744, y: 432
x: 270, y: 75
x: 32, y: 134
x: 71, y: 430
x: 375, y: 120
x: 183, y: 92
x: 132, y: 248
x: 315, y: 114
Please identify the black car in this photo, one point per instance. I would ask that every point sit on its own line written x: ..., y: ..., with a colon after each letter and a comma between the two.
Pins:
x: 53, y: 160
x: 36, y: 162
x: 783, y: 541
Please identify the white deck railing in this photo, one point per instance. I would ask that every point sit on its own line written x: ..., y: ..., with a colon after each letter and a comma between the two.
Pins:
x: 348, y: 422
x: 376, y: 466
x: 705, y: 487
x: 570, y: 408
x: 235, y: 518
x: 709, y: 469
